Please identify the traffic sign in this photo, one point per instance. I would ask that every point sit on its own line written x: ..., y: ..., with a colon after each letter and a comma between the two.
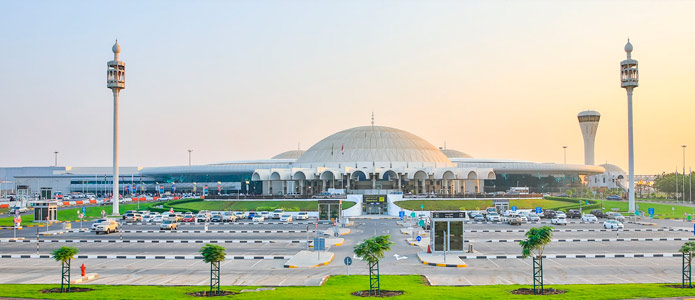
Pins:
x: 347, y: 260
x: 422, y: 223
x: 319, y: 244
x: 422, y: 206
x: 651, y: 211
x: 539, y: 210
x: 412, y: 214
x: 84, y: 209
x: 401, y: 214
x: 513, y: 208
x: 418, y: 238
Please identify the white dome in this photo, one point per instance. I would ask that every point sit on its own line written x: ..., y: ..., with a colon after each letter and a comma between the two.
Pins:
x: 628, y: 46
x: 611, y: 168
x: 589, y: 113
x: 374, y: 144
x: 116, y: 48
x: 292, y: 154
x: 450, y: 153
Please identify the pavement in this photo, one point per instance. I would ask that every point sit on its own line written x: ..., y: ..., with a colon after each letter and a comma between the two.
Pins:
x: 589, y: 254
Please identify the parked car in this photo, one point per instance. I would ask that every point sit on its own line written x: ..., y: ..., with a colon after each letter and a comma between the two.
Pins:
x: 240, y: 215
x: 574, y: 214
x: 157, y: 219
x: 598, y: 213
x: 188, y: 217
x: 533, y: 217
x: 493, y: 217
x: 106, y: 227
x: 19, y: 209
x: 616, y: 216
x: 202, y: 217
x: 128, y: 212
x: 258, y: 218
x: 560, y: 213
x: 228, y: 216
x: 170, y: 224
x: 303, y: 216
x: 217, y: 218
x: 265, y: 214
x: 478, y: 217
x: 277, y: 214
x: 613, y: 224
x: 549, y: 214
x: 286, y: 218
x: 149, y: 217
x: 589, y: 218
x: 558, y: 220
x: 514, y: 220
x: 614, y: 197
x: 133, y: 217
x: 96, y: 223
x: 250, y: 215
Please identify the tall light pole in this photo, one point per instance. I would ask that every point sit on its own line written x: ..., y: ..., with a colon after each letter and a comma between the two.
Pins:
x: 56, y: 158
x: 629, y: 80
x: 115, y: 80
x: 683, y: 185
x: 189, y: 156
x: 564, y: 149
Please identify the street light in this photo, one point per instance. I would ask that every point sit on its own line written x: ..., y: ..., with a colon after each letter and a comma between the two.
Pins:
x: 683, y: 185
x: 189, y: 156
x: 564, y: 149
x: 56, y: 157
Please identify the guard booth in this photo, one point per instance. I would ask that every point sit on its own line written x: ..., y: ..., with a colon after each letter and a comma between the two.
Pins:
x: 43, y: 209
x: 330, y: 210
x: 447, y: 231
x: 374, y: 205
x: 501, y: 205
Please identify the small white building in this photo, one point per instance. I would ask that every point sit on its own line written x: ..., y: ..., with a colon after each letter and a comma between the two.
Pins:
x: 613, y: 178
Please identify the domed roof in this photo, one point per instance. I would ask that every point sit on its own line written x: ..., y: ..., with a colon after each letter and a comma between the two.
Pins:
x: 589, y: 113
x: 628, y: 46
x: 292, y: 154
x: 611, y: 168
x: 373, y: 144
x: 450, y: 153
x: 116, y: 48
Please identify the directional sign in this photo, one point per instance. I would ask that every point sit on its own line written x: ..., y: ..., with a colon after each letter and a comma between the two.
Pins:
x: 651, y: 211
x: 347, y: 261
x: 539, y: 210
x: 513, y: 208
x: 422, y: 223
x: 401, y: 214
x: 412, y: 214
x: 422, y: 206
x: 418, y: 238
x: 84, y: 209
x: 319, y: 244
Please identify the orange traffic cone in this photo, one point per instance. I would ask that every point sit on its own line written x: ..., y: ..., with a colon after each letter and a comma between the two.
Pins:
x: 428, y: 249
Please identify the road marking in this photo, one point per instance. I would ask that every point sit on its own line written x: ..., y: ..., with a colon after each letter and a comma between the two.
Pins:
x: 592, y: 240
x: 160, y: 241
x: 148, y: 257
x: 575, y: 256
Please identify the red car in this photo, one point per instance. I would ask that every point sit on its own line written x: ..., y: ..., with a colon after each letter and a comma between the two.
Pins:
x: 189, y: 218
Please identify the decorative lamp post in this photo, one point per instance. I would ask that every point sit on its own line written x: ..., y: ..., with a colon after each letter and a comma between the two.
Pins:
x: 629, y: 80
x: 115, y: 80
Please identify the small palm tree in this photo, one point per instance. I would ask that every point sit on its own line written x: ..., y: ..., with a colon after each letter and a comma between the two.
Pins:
x: 534, y: 245
x: 64, y: 255
x: 372, y: 250
x: 688, y: 249
x: 214, y: 254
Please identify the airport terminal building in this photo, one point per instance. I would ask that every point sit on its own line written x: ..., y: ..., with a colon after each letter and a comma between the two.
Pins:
x: 360, y: 160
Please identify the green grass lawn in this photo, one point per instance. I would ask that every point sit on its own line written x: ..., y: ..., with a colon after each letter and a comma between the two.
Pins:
x: 660, y: 210
x: 195, y: 206
x: 340, y: 287
x: 482, y: 204
x: 71, y: 214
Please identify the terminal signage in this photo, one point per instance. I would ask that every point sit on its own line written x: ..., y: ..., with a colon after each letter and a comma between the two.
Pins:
x: 374, y: 198
x: 448, y: 214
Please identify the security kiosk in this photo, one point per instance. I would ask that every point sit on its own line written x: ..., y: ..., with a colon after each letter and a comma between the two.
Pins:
x: 45, y: 209
x: 446, y: 234
x: 330, y: 210
x: 501, y: 205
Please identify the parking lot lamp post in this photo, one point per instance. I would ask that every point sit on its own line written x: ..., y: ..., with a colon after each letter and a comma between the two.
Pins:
x: 683, y: 185
x: 629, y: 80
x: 115, y: 80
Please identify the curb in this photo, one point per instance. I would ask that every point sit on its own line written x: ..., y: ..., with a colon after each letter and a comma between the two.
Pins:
x: 85, y: 278
x: 627, y: 255
x: 157, y: 241
x: 146, y: 257
x: 314, y: 266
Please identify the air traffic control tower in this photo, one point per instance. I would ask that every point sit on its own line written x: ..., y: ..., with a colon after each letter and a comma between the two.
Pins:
x: 588, y: 122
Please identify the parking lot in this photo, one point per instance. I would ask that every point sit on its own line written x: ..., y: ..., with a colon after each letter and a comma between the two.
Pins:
x: 257, y: 253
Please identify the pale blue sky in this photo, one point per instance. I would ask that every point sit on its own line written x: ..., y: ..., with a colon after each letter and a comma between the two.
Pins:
x: 249, y: 79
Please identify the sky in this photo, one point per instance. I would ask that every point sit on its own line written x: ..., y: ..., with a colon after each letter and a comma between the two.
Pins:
x: 235, y: 80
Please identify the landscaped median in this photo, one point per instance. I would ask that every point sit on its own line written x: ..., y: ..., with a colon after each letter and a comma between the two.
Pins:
x: 340, y: 287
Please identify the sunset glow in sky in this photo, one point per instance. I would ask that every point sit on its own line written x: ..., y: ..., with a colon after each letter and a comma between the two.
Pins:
x: 236, y: 80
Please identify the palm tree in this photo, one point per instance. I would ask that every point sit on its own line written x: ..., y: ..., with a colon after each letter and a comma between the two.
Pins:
x: 533, y: 245
x: 213, y: 254
x: 64, y: 255
x: 688, y: 249
x: 372, y: 250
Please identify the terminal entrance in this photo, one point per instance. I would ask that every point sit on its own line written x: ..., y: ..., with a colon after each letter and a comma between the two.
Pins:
x: 330, y: 210
x: 374, y: 205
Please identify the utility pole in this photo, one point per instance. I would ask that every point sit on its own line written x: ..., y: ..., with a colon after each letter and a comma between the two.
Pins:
x: 683, y: 185
x: 629, y: 80
x: 189, y: 156
x: 564, y: 149
x: 56, y: 158
x: 115, y: 80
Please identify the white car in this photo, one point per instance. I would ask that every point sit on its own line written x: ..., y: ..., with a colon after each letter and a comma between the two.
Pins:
x: 558, y: 220
x: 202, y: 217
x: 258, y: 218
x: 613, y: 224
x: 560, y: 213
x: 277, y: 214
x: 618, y: 217
x: 532, y: 217
x: 265, y: 215
x: 96, y: 223
x: 157, y: 219
x: 589, y: 218
x: 303, y: 216
x: 492, y: 217
x: 286, y: 218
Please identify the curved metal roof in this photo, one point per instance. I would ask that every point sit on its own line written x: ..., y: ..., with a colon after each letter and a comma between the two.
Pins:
x: 292, y: 154
x: 450, y: 153
x: 373, y: 144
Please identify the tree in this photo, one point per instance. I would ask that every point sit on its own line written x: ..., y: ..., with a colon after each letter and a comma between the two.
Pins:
x: 64, y: 255
x: 534, y: 245
x: 688, y: 249
x: 213, y: 254
x: 372, y: 250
